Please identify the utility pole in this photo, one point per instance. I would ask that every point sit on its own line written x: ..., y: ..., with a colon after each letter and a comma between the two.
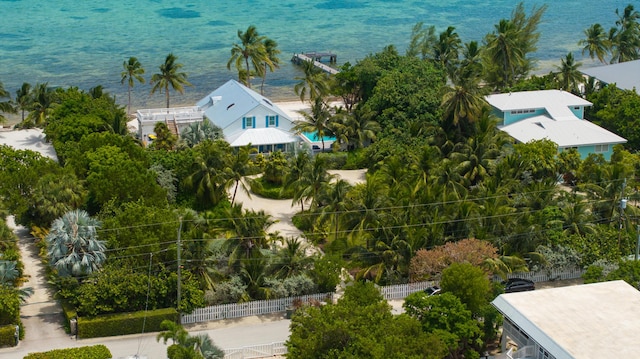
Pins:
x: 623, y: 205
x: 179, y: 272
x: 638, y: 242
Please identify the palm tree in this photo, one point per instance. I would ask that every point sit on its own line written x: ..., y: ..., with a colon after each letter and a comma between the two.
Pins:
x: 309, y: 185
x: 43, y: 100
x: 246, y: 232
x: 299, y: 166
x: 165, y: 139
x: 251, y: 53
x: 24, y: 99
x: 169, y: 76
x: 132, y: 72
x: 5, y: 106
x: 505, y: 52
x: 9, y: 275
x: 272, y: 51
x: 240, y: 166
x: 207, y: 176
x: 357, y: 128
x: 596, y: 42
x: 463, y: 100
x: 73, y: 247
x: 318, y: 121
x: 185, y: 346
x: 625, y: 38
x: 54, y: 195
x: 315, y: 82
x: 568, y: 76
x: 447, y: 47
x: 200, y: 131
x: 291, y: 259
x: 333, y: 198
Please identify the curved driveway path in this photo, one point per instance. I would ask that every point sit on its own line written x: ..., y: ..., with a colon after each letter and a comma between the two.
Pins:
x: 282, y: 210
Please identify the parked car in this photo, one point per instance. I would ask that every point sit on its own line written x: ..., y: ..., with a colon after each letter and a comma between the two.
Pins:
x: 513, y: 285
x: 433, y: 290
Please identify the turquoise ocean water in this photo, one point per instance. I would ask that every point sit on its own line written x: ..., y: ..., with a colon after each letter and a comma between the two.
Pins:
x: 83, y: 43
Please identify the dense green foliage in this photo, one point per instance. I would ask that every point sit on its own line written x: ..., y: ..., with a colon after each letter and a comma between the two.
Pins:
x: 124, y: 323
x: 7, y: 335
x: 438, y: 172
x: 90, y: 352
x: 360, y: 325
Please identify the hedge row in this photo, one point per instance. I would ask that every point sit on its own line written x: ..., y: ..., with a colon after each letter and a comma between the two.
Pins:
x: 124, y: 323
x: 7, y: 336
x: 92, y: 352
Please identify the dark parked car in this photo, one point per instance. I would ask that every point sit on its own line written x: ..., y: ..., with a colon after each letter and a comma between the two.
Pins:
x: 513, y: 285
x: 433, y: 290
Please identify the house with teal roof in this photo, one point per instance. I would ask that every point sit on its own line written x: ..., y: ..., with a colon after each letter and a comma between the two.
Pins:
x: 554, y: 115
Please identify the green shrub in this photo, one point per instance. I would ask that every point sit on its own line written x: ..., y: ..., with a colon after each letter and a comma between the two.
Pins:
x: 334, y: 161
x: 356, y: 160
x: 92, y: 352
x: 9, y: 306
x: 7, y: 336
x: 124, y: 323
x: 269, y: 190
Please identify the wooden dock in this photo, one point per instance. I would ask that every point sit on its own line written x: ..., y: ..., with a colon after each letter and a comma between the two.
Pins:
x: 316, y: 57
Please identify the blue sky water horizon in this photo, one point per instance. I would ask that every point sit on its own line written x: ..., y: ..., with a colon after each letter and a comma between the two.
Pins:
x: 83, y: 44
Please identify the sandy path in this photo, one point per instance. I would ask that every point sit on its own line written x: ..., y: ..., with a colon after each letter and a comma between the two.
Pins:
x: 282, y: 210
x: 41, y: 315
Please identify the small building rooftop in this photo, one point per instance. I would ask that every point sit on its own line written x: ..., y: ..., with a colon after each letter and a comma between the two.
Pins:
x: 550, y: 99
x: 626, y: 75
x: 600, y: 320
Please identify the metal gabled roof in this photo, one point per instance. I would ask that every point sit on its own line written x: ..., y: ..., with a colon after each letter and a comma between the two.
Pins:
x: 233, y: 101
x: 566, y: 132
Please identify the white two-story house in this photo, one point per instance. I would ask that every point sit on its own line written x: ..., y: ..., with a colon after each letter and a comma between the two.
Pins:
x: 247, y: 117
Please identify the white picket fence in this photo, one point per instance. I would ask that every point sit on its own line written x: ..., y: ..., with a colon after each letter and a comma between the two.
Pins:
x: 546, y: 276
x: 400, y: 291
x: 256, y: 351
x: 257, y: 307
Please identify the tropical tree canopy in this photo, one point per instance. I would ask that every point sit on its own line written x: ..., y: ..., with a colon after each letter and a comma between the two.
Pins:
x: 169, y: 76
x: 73, y: 246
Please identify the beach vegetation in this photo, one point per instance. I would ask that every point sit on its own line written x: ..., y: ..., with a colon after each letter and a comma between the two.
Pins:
x: 44, y: 98
x: 132, y: 72
x: 169, y: 76
x: 568, y: 76
x: 250, y: 56
x: 508, y: 48
x: 272, y: 51
x: 315, y: 82
x: 620, y: 43
x: 6, y: 104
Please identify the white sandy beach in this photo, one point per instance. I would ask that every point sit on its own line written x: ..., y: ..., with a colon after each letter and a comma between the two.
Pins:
x: 31, y: 139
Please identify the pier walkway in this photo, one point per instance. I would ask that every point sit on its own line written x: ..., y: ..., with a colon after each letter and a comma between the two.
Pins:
x: 315, y: 57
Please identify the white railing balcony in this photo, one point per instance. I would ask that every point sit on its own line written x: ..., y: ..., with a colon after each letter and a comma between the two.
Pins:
x: 527, y: 352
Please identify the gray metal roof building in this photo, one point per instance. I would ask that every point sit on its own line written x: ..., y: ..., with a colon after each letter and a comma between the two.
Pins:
x: 626, y: 75
x: 600, y: 320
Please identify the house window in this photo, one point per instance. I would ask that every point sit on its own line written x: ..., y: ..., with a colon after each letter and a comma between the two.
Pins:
x: 248, y: 122
x: 271, y: 121
x: 576, y: 107
x: 602, y: 148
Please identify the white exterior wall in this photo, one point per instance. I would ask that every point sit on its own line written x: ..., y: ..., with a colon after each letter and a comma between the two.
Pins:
x: 260, y: 113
